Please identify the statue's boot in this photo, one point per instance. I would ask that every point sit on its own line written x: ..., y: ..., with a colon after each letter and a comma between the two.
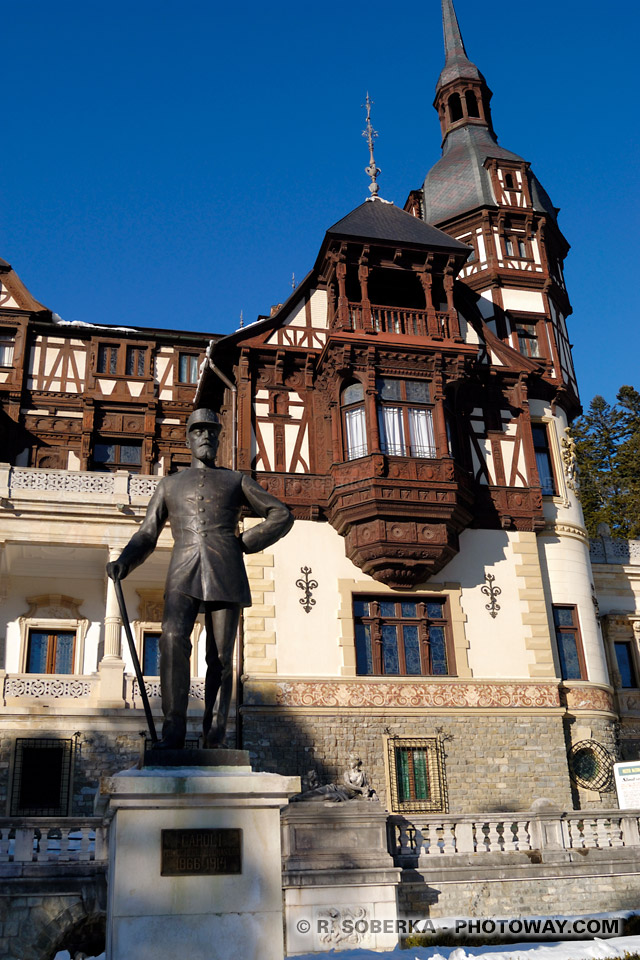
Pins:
x: 173, y: 735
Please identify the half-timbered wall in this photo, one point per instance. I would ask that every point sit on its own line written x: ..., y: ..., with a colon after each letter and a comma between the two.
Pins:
x: 64, y: 389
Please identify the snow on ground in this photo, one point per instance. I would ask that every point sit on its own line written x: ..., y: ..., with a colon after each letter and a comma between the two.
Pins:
x: 551, y: 950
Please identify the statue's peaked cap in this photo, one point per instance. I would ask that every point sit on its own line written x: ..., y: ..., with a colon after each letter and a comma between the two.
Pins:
x: 203, y: 415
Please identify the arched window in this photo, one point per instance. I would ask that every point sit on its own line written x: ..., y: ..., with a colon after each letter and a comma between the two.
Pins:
x: 508, y: 181
x: 455, y: 108
x: 354, y: 422
x: 472, y: 104
x: 405, y: 418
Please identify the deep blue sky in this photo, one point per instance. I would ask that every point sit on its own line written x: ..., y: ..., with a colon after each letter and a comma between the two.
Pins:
x: 173, y: 164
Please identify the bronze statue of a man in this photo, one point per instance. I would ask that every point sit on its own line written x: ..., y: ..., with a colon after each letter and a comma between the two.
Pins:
x: 203, y: 505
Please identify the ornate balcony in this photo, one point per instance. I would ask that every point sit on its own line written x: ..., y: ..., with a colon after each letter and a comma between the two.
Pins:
x: 401, y: 321
x: 400, y: 516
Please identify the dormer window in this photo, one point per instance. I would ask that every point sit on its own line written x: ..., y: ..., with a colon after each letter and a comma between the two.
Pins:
x: 117, y: 360
x: 187, y: 368
x: 7, y: 341
x: 527, y: 334
x: 508, y: 181
x: 405, y: 418
x: 134, y: 366
x: 107, y: 358
x: 516, y: 246
x: 354, y: 421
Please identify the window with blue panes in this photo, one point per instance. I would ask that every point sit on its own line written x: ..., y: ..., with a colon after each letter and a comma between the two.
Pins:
x: 151, y: 655
x: 572, y: 665
x: 544, y: 462
x: 626, y: 665
x: 50, y: 651
x: 406, y: 636
x: 188, y: 368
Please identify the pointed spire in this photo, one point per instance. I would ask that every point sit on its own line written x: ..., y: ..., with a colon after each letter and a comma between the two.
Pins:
x: 457, y: 64
x: 371, y: 135
x: 451, y: 29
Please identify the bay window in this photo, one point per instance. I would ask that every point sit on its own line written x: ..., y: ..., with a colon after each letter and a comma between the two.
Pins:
x: 354, y: 421
x: 405, y: 418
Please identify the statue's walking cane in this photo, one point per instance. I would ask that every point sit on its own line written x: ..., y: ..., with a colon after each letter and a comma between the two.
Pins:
x: 136, y: 663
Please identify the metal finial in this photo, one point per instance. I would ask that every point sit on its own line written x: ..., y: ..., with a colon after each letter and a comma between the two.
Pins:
x: 293, y: 281
x: 241, y: 320
x: 372, y: 171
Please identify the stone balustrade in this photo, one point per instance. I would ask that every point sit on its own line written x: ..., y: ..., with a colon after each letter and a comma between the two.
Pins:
x: 152, y: 686
x: 52, y: 840
x: 121, y: 487
x: 426, y: 838
x: 48, y: 686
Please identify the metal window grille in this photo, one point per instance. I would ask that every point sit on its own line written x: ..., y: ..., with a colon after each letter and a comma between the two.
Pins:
x: 590, y: 765
x: 416, y: 769
x: 41, y: 778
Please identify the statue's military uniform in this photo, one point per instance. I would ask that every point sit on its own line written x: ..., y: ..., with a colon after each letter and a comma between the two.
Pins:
x: 203, y: 508
x: 206, y: 572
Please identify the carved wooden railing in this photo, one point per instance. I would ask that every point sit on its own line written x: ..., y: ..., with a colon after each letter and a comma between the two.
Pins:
x: 477, y: 834
x: 397, y: 320
x: 52, y: 840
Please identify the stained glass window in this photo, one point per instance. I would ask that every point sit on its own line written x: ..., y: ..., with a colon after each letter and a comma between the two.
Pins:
x: 406, y: 637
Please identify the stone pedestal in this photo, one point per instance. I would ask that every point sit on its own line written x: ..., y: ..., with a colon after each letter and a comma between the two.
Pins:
x: 340, y: 882
x: 194, y: 863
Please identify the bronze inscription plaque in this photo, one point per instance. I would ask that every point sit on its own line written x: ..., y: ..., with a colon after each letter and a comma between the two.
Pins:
x: 188, y: 853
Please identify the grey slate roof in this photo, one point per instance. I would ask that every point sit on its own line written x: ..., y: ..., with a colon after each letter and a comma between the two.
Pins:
x: 457, y: 63
x: 459, y: 181
x: 378, y: 220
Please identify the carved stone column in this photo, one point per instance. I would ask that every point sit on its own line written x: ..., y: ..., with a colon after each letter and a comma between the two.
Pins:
x: 112, y: 620
x: 111, y: 667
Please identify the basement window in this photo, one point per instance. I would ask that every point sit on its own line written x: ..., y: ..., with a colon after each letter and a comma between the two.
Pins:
x: 41, y: 778
x: 417, y: 776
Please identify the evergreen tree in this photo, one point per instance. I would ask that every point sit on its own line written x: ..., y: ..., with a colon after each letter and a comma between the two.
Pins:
x: 608, y: 457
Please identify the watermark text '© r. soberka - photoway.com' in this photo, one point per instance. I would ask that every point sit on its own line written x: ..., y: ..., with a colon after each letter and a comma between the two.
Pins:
x: 540, y: 928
